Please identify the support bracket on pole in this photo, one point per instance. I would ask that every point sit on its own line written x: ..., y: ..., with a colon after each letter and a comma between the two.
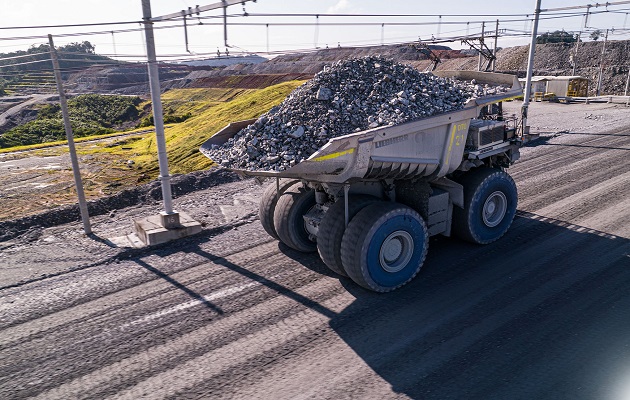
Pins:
x: 485, y: 52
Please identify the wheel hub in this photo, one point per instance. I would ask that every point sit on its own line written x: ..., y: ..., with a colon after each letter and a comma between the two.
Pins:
x: 396, y: 251
x: 494, y: 209
x: 312, y: 219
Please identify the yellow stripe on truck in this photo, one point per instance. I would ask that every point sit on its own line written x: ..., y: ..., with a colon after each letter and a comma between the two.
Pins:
x: 334, y: 155
x: 450, y: 144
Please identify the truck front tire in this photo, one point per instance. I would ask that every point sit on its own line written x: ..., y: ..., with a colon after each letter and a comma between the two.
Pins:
x: 288, y: 218
x: 490, y: 200
x: 268, y: 202
x: 384, y: 246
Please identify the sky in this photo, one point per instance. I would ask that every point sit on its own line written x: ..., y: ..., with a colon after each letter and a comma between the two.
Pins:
x: 268, y: 35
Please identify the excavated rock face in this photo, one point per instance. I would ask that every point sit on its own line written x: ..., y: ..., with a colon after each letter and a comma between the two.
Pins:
x: 349, y: 96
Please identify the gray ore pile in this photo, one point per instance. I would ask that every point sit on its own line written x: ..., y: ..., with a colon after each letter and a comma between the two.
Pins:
x: 349, y: 96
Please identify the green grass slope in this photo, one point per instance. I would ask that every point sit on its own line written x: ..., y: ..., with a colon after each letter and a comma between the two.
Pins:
x: 107, y: 166
x: 197, y: 100
x: 184, y: 139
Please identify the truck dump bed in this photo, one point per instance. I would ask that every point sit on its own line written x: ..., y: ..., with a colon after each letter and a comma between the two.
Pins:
x: 429, y: 147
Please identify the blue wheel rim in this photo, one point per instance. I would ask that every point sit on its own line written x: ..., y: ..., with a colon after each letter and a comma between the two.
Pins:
x: 410, y: 234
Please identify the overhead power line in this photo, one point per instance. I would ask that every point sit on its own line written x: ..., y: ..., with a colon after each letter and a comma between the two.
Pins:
x: 443, y: 15
x: 69, y: 25
x: 549, y: 14
x: 22, y: 56
x: 391, y: 23
x: 587, y: 6
x: 380, y: 15
x: 24, y: 63
x: 178, y: 17
x: 74, y: 34
x: 196, y: 10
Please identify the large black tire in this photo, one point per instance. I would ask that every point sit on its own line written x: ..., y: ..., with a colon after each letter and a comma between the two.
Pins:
x: 384, y: 246
x: 268, y: 202
x: 333, y: 226
x: 288, y: 219
x: 490, y: 200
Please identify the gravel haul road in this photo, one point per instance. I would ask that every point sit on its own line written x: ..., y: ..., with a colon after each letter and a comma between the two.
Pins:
x: 542, y: 313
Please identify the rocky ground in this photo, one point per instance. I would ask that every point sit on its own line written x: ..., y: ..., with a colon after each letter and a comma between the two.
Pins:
x: 230, y: 313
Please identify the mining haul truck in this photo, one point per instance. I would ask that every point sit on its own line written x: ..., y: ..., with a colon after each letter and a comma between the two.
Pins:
x: 368, y: 202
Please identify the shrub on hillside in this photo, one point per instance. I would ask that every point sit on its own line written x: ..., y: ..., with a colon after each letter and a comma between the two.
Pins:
x: 168, y: 119
x: 557, y: 37
x: 90, y: 114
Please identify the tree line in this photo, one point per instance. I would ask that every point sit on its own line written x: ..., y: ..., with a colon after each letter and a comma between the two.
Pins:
x: 16, y: 64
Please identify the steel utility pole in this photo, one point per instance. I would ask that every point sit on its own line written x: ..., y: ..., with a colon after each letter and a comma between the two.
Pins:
x: 601, y: 65
x: 225, y: 24
x: 494, y: 51
x: 73, y: 152
x: 170, y: 218
x: 530, y: 68
x: 575, y: 53
x: 483, y: 28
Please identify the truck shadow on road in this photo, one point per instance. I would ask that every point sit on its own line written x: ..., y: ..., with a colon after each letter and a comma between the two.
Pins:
x: 542, y: 313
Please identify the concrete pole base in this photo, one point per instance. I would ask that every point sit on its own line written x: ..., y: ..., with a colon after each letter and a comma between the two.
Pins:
x: 165, y: 227
x: 170, y: 220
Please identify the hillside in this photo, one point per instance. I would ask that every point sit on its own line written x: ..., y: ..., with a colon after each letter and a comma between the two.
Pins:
x: 550, y: 59
x: 214, y: 109
x: 129, y: 78
x: 554, y: 59
x: 110, y: 78
x: 44, y: 180
x: 29, y: 71
x: 90, y: 114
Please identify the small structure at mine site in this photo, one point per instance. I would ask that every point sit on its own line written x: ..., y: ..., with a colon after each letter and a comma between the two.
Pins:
x: 568, y: 86
x: 558, y: 87
x: 538, y: 86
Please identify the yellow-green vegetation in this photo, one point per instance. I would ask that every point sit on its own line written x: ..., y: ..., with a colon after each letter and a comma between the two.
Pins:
x: 184, y: 139
x: 197, y: 100
x: 180, y: 104
x: 175, y: 102
x: 112, y: 164
x: 64, y: 142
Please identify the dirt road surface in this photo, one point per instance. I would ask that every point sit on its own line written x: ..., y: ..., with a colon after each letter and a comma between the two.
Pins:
x: 34, y: 99
x: 543, y: 313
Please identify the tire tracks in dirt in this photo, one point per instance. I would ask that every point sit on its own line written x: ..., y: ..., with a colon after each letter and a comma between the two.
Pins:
x: 541, y: 313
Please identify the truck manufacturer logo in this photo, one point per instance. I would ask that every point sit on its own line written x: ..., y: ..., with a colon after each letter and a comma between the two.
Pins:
x: 393, y: 140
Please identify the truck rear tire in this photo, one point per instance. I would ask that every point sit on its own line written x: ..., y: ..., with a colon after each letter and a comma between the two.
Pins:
x: 333, y: 226
x: 268, y: 203
x: 293, y: 204
x: 384, y: 246
x: 490, y: 200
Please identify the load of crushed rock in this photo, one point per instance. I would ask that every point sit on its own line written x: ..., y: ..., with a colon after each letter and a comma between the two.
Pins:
x: 349, y: 96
